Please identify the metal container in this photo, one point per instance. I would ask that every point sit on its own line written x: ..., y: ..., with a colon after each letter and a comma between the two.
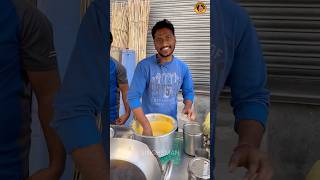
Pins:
x: 161, y: 145
x: 192, y: 138
x: 111, y: 132
x: 122, y: 132
x: 132, y: 160
x: 199, y: 169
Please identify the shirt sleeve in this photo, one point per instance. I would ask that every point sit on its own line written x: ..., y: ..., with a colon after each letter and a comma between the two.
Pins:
x: 187, y: 85
x: 247, y: 79
x: 37, y: 47
x: 84, y: 89
x: 138, y: 85
x: 121, y: 74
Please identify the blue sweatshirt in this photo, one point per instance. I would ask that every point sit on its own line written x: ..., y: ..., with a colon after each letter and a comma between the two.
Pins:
x: 159, y: 85
x: 238, y: 63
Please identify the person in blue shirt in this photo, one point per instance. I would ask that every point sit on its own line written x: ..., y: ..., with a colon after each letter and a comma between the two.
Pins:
x: 238, y: 64
x: 118, y: 83
x: 158, y: 79
x: 236, y: 60
x: 28, y: 65
x: 83, y: 93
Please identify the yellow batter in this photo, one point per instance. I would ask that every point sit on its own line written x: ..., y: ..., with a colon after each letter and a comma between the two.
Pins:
x: 160, y: 126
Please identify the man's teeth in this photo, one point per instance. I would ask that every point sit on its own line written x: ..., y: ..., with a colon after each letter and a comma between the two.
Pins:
x: 165, y: 48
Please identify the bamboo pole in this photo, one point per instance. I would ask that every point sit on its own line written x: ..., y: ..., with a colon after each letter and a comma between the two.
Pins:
x: 119, y: 27
x: 138, y: 18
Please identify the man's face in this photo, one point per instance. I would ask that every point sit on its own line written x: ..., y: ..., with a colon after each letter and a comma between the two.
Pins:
x: 164, y: 42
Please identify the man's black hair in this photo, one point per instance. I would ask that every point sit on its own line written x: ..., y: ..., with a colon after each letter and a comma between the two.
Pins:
x: 162, y: 24
x: 111, y: 38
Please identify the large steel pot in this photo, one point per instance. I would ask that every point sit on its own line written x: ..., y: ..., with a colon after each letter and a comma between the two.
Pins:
x: 132, y: 160
x: 161, y: 145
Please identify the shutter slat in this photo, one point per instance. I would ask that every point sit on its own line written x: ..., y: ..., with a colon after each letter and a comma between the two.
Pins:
x: 289, y: 32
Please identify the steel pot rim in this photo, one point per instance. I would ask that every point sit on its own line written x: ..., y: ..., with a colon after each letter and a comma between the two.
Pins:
x: 193, y: 134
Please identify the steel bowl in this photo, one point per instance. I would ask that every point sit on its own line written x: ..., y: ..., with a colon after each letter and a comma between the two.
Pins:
x: 132, y: 160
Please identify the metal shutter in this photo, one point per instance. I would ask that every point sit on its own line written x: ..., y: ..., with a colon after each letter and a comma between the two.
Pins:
x: 289, y: 31
x: 193, y: 36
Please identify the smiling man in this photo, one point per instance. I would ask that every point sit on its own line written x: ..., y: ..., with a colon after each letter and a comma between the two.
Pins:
x: 158, y: 79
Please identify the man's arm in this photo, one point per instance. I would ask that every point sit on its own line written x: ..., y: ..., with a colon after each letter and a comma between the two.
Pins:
x: 83, y: 94
x: 135, y: 92
x: 250, y: 101
x: 123, y: 86
x: 187, y: 93
x: 124, y: 90
x: 142, y: 119
x: 45, y: 84
x: 250, y: 133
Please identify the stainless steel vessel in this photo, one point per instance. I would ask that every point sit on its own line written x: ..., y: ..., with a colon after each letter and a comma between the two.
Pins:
x: 192, y: 138
x: 111, y: 132
x: 122, y: 132
x: 132, y: 160
x: 199, y: 169
x: 161, y: 145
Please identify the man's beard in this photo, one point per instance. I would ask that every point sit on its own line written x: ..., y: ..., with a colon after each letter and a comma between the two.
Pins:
x: 168, y: 55
x: 164, y: 56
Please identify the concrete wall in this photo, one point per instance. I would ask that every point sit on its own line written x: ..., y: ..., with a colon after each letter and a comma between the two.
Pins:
x: 292, y: 140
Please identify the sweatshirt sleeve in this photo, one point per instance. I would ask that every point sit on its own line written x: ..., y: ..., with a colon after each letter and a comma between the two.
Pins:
x: 137, y: 87
x: 187, y: 85
x: 84, y: 88
x: 247, y: 79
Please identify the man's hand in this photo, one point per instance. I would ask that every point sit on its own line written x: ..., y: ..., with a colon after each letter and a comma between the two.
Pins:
x: 122, y: 119
x: 189, y: 113
x: 147, y: 131
x: 187, y: 110
x: 142, y: 119
x: 47, y: 174
x: 247, y: 153
x: 92, y: 162
x: 255, y: 161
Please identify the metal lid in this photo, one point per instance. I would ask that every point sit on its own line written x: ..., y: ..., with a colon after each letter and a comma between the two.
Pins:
x: 199, y: 167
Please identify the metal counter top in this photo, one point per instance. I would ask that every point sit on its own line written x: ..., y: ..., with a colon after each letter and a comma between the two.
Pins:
x: 180, y: 172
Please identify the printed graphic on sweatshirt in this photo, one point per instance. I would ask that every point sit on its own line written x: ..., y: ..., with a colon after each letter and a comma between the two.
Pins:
x: 164, y: 88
